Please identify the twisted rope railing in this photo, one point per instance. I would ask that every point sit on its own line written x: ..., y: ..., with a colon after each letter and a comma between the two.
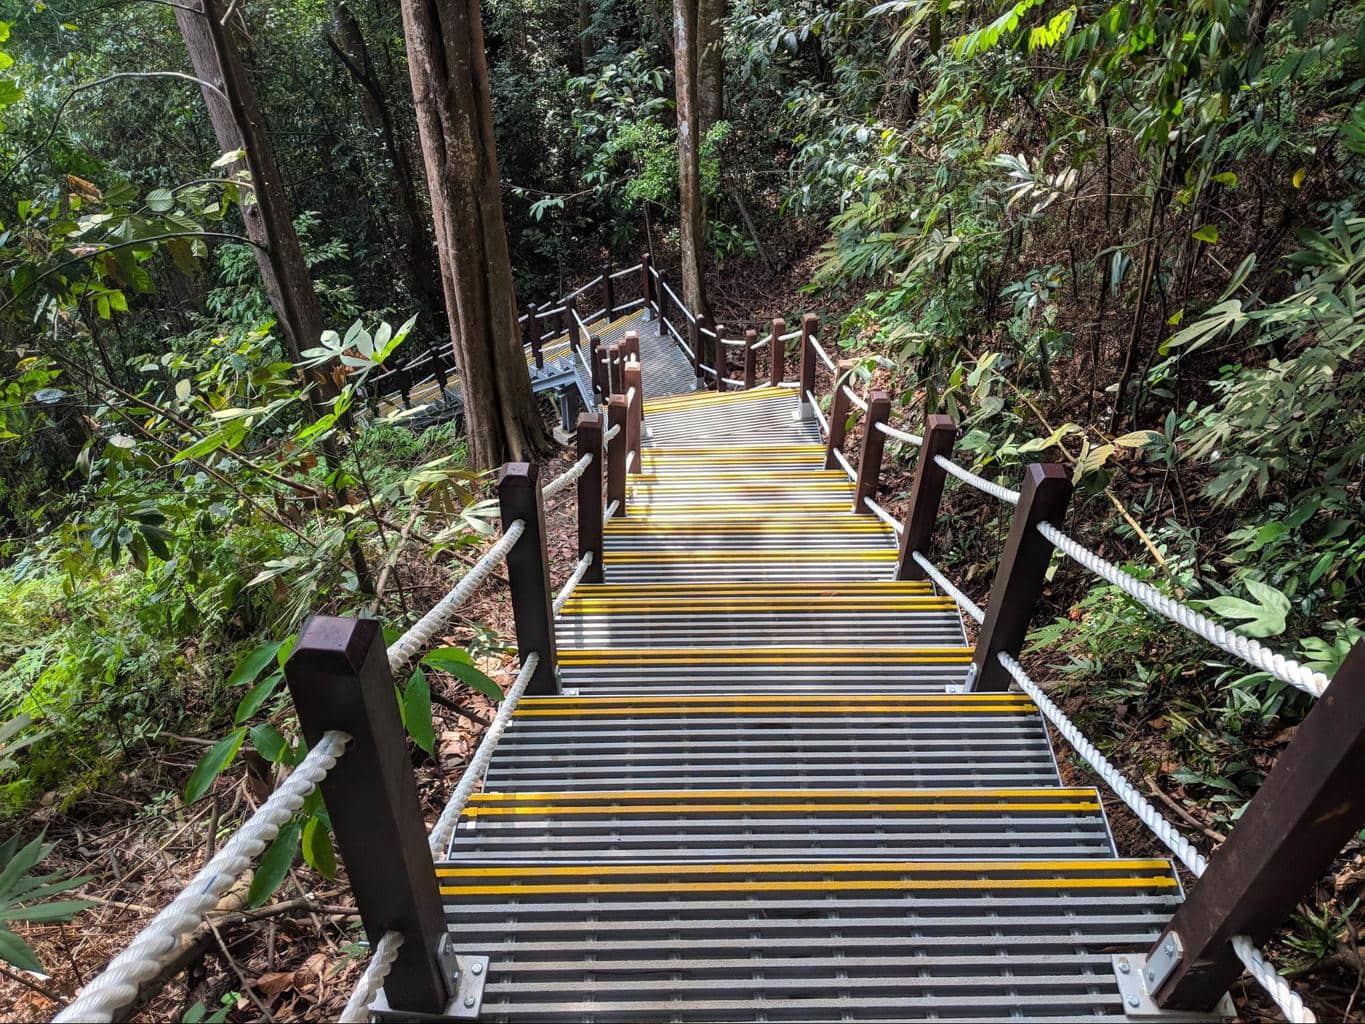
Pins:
x: 900, y: 435
x: 117, y: 985
x: 567, y: 477
x: 562, y: 598
x: 885, y: 516
x: 407, y: 646
x: 1005, y: 494
x: 946, y: 585
x: 852, y: 396
x: 1289, y: 1002
x: 824, y: 356
x: 1250, y: 651
x: 819, y: 416
x: 385, y: 952
x: 610, y: 511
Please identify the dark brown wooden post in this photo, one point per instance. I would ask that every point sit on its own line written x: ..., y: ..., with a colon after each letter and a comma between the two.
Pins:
x: 662, y: 295
x: 559, y: 317
x: 574, y: 334
x: 635, y: 404
x: 722, y: 360
x: 777, y: 352
x: 646, y: 282
x: 839, y: 406
x: 750, y: 356
x: 925, y: 494
x: 438, y: 366
x: 1018, y: 582
x: 613, y: 361
x: 1308, y: 808
x: 810, y: 324
x: 609, y: 291
x: 528, y: 325
x: 599, y: 380
x: 532, y: 334
x: 528, y: 572
x: 338, y: 676
x: 870, y: 458
x: 590, y: 494
x: 616, y: 454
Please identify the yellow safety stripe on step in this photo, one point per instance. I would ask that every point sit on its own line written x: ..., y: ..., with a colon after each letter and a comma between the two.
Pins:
x: 762, y: 510
x: 652, y: 524
x: 807, y: 794
x: 833, y: 588
x: 753, y: 485
x: 590, y: 709
x: 822, y: 885
x: 945, y: 867
x: 789, y: 701
x: 702, y: 473
x: 827, y: 555
x: 778, y: 807
x: 737, y: 656
x: 868, y: 604
x: 736, y: 451
x: 707, y: 399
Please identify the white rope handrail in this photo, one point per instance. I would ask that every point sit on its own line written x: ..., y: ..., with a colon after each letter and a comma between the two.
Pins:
x: 900, y: 435
x: 691, y: 317
x: 732, y: 342
x: 852, y: 396
x: 597, y: 314
x: 543, y: 313
x: 790, y: 335
x: 611, y: 434
x: 567, y: 477
x: 993, y: 489
x: 1250, y: 651
x: 611, y: 510
x: 583, y: 288
x: 407, y: 646
x: 824, y: 356
x: 884, y: 516
x: 625, y: 307
x: 710, y: 371
x: 839, y: 458
x: 706, y: 331
x: 736, y: 383
x: 116, y: 986
x: 562, y: 598
x: 944, y: 584
x: 1279, y: 990
x: 441, y: 832
x: 762, y: 343
x: 819, y: 416
x: 679, y: 338
x: 630, y: 396
x: 628, y: 270
x: 630, y: 459
x: 385, y: 952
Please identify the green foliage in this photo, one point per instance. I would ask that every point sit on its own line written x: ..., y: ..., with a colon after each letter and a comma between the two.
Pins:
x: 27, y: 898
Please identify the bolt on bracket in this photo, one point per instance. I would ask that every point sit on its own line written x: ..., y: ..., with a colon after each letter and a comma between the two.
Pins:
x: 467, y: 975
x: 1133, y: 972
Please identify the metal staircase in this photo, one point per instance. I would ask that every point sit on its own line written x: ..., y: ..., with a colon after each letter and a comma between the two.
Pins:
x: 762, y: 794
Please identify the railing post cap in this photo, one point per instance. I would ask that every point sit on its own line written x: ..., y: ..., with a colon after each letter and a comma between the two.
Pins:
x: 516, y: 474
x: 632, y: 336
x: 879, y: 397
x: 332, y: 644
x: 589, y: 419
x: 616, y: 402
x: 810, y: 319
x: 778, y: 323
x: 937, y: 421
x: 1039, y: 473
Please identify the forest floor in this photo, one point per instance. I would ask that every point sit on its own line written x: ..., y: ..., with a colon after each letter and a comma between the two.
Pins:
x: 298, y: 958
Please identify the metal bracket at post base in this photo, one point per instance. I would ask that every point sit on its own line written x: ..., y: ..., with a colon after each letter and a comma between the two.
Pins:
x: 1139, y: 976
x: 467, y: 975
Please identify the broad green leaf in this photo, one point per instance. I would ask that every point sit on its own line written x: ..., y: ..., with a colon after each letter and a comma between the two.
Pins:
x: 274, y: 864
x: 250, y: 666
x: 269, y: 743
x: 1207, y: 233
x: 159, y: 200
x: 416, y: 711
x: 1039, y: 444
x: 460, y: 665
x: 218, y: 757
x: 317, y: 847
x: 1266, y: 617
x: 62, y: 910
x: 15, y: 951
x: 256, y: 696
x: 1138, y: 439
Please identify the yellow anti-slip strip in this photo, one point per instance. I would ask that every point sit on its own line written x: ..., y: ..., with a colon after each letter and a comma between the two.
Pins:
x: 756, y: 807
x: 830, y: 555
x: 590, y: 710
x: 822, y: 885
x: 787, y: 700
x: 761, y: 510
x: 909, y: 867
x: 861, y: 604
x: 767, y: 656
x: 807, y: 794
x: 755, y: 527
x: 833, y: 587
x: 738, y: 451
x: 695, y: 399
x: 702, y: 474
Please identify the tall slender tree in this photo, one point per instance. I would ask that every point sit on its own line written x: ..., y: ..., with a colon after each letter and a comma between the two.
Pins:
x: 710, y: 48
x: 690, y: 216
x: 451, y: 91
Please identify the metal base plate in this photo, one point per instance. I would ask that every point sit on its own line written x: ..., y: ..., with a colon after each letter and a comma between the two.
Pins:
x: 470, y: 974
x: 1129, y: 969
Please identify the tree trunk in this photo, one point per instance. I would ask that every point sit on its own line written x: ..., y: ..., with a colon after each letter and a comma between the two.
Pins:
x: 454, y: 106
x: 710, y: 64
x: 419, y: 253
x: 691, y: 222
x: 238, y: 125
x: 584, y: 34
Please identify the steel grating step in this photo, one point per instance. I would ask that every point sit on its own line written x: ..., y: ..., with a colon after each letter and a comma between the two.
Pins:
x: 820, y: 740
x: 872, y: 824
x: 801, y: 941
